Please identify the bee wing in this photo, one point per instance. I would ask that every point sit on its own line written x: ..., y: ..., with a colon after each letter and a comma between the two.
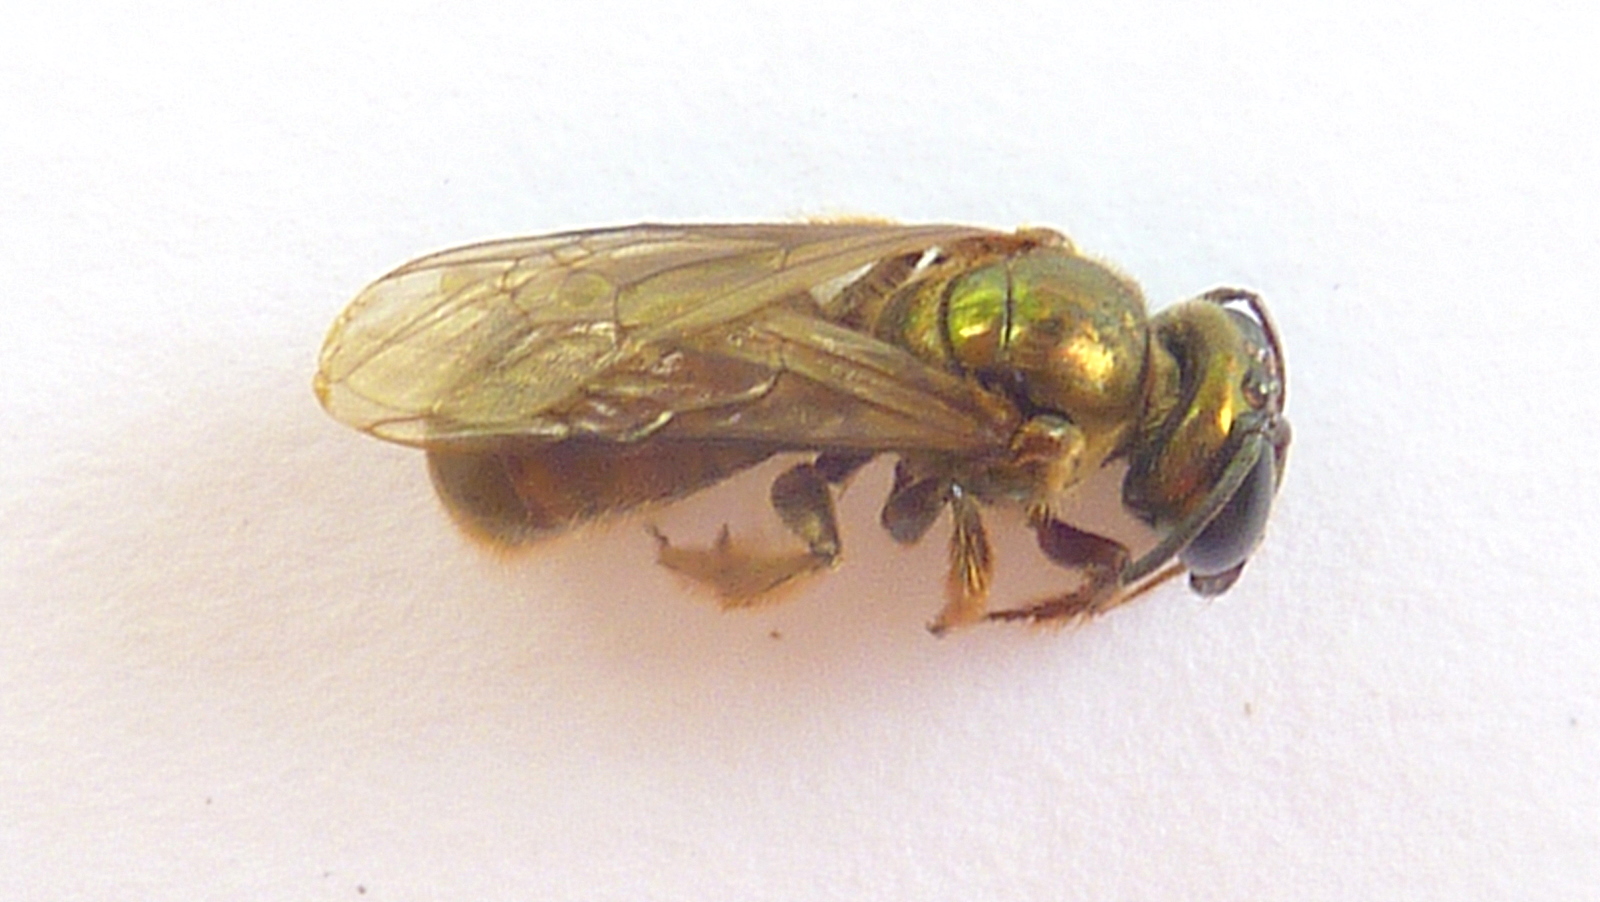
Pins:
x: 620, y: 333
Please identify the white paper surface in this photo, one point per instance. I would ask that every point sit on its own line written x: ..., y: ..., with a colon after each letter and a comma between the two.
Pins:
x: 243, y: 655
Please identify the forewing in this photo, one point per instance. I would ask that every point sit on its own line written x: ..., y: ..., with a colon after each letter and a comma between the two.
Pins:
x: 519, y: 338
x: 788, y: 379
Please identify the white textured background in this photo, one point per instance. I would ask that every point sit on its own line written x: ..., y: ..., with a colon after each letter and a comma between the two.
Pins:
x: 243, y: 655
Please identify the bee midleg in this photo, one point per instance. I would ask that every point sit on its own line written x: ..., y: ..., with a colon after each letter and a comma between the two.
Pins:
x: 803, y: 499
x: 971, y: 565
x: 1099, y: 559
x: 516, y: 496
x: 913, y: 504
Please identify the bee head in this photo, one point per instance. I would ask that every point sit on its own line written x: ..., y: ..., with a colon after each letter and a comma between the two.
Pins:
x: 1205, y: 470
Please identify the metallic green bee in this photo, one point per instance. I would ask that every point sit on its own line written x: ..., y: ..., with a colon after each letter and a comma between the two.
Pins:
x: 558, y: 379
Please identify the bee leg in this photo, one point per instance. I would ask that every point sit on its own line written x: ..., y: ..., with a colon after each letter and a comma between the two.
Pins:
x: 804, y: 503
x: 1099, y: 559
x: 914, y: 503
x: 971, y: 566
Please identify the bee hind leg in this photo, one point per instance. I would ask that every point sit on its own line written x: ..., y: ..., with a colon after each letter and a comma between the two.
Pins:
x: 803, y: 500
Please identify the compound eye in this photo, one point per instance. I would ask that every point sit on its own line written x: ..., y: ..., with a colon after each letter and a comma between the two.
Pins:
x: 1217, y: 554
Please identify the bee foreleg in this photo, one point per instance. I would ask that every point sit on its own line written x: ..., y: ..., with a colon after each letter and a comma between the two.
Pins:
x: 971, y: 566
x: 1099, y: 559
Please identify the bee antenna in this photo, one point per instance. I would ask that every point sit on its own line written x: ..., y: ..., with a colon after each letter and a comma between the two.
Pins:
x: 1222, y: 297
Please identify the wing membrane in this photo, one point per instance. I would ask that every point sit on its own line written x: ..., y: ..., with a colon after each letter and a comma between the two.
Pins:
x: 619, y: 333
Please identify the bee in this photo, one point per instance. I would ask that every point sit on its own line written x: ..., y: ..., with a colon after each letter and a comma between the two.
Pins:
x: 558, y: 379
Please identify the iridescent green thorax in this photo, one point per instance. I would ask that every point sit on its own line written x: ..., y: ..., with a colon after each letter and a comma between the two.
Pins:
x: 1058, y: 332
